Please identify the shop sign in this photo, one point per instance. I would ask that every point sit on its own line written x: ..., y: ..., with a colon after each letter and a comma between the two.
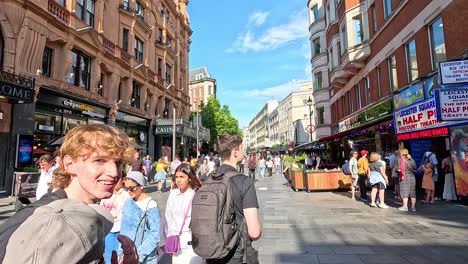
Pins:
x: 166, y: 130
x: 86, y: 109
x: 46, y: 128
x: 371, y: 114
x: 409, y: 96
x: 420, y: 116
x: 453, y: 71
x: 435, y: 132
x: 16, y: 87
x: 452, y: 104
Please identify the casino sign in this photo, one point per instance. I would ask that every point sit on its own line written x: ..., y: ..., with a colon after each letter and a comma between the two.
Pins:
x: 16, y: 87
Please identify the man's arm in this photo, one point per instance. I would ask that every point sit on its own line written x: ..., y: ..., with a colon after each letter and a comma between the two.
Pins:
x: 253, y: 223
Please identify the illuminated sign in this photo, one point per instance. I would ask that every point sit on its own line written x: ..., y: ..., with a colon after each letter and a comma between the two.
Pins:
x: 453, y: 71
x: 417, y: 117
x: 436, y: 132
x: 86, y: 109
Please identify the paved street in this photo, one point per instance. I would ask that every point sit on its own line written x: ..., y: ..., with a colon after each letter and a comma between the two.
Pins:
x: 328, y: 227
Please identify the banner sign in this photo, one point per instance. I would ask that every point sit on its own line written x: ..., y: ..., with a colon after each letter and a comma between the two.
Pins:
x: 417, y: 117
x: 453, y: 71
x: 452, y: 104
x: 409, y: 96
x: 459, y: 150
x: 371, y: 114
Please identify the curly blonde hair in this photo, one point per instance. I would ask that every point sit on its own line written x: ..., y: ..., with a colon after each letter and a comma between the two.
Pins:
x: 374, y: 157
x: 83, y: 140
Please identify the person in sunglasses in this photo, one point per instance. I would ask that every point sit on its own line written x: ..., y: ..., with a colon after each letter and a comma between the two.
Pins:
x: 141, y: 219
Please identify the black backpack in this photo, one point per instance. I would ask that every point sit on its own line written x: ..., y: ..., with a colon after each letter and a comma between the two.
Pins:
x: 215, y: 231
x: 427, y: 159
x: 217, y: 162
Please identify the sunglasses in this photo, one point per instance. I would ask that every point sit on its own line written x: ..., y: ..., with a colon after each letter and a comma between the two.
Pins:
x: 130, y: 188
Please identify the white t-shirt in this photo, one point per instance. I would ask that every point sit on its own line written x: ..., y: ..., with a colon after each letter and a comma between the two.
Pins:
x: 45, y: 179
x: 146, y: 204
x: 177, y: 205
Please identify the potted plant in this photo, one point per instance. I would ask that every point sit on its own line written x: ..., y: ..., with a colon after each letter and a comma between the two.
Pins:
x: 288, y: 161
x: 297, y: 179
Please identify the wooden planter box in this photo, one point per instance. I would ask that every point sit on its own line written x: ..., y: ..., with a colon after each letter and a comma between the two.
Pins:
x: 289, y: 173
x: 297, y: 180
x: 327, y: 181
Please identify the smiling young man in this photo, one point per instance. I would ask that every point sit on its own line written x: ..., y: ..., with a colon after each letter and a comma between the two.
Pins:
x: 91, y: 159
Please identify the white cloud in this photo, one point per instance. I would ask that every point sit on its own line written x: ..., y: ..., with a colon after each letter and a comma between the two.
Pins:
x: 272, y: 38
x: 258, y: 18
x: 278, y: 92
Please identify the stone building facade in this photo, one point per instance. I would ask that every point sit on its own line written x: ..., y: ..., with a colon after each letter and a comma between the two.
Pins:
x: 91, y: 61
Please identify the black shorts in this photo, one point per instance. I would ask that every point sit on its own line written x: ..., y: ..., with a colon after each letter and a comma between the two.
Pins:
x: 379, y: 186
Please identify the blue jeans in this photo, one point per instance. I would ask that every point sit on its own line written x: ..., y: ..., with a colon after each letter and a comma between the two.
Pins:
x: 111, y: 243
x: 262, y: 172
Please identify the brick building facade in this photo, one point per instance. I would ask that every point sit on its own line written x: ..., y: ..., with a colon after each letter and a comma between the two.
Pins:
x: 376, y: 49
x: 91, y: 61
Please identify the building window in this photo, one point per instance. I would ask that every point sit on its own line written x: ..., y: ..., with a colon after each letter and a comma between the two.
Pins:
x: 210, y: 90
x: 46, y: 62
x: 387, y: 8
x: 327, y: 14
x: 411, y: 60
x: 374, y: 19
x: 160, y: 65
x: 85, y: 11
x: 358, y: 32
x: 367, y: 89
x: 351, y: 105
x: 317, y: 81
x: 168, y: 74
x: 138, y: 50
x: 100, y: 87
x: 320, y: 115
x: 125, y: 4
x: 379, y: 82
x: 316, y: 44
x: 358, y: 96
x: 315, y: 13
x: 339, y: 51
x: 393, y: 73
x: 61, y: 2
x: 332, y: 61
x: 136, y: 87
x: 80, y: 72
x: 160, y: 36
x: 168, y: 42
x: 125, y: 39
x: 344, y: 37
x: 119, y: 92
x: 139, y: 10
x: 436, y: 31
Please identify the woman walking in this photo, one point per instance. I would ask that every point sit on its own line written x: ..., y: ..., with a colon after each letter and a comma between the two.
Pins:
x: 449, y: 185
x: 140, y: 219
x: 262, y: 166
x: 178, y: 215
x: 407, y: 168
x: 160, y: 177
x: 203, y: 171
x: 378, y: 179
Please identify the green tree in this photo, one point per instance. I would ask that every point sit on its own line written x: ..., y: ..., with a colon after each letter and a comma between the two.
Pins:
x: 218, y: 119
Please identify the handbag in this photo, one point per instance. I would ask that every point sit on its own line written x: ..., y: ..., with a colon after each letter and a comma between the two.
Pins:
x: 172, y: 243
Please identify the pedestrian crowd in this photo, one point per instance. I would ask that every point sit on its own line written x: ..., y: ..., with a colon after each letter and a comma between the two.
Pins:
x: 402, y: 169
x: 92, y: 206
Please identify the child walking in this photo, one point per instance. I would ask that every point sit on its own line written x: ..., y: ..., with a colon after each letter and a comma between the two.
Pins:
x: 427, y: 182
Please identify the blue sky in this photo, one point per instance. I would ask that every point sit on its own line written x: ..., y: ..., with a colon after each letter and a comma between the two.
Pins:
x: 256, y: 50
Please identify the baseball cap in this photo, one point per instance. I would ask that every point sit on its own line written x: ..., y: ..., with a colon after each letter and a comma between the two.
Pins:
x: 364, y: 152
x: 138, y: 177
x: 63, y: 231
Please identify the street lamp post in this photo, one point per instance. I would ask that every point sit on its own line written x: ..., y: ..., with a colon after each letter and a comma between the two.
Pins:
x: 309, y: 103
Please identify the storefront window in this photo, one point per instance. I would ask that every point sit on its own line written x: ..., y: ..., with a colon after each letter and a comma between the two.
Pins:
x: 69, y: 123
x: 47, y: 123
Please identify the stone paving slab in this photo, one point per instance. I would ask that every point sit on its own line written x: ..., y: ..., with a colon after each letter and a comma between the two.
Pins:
x: 328, y: 227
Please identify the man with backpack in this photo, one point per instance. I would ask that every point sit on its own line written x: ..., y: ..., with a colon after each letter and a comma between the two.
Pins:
x: 252, y: 164
x: 225, y: 211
